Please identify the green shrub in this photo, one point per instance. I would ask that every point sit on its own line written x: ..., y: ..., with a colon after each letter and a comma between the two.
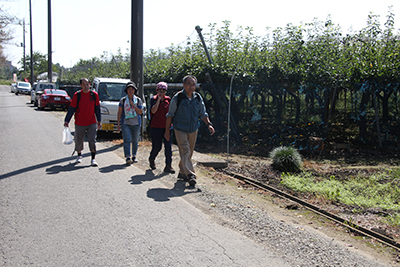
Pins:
x: 286, y: 159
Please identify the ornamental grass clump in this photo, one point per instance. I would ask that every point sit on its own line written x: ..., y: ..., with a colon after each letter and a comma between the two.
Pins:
x: 286, y: 159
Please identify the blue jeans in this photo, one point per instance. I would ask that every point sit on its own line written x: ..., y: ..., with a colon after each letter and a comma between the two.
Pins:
x: 157, y: 138
x: 130, y: 135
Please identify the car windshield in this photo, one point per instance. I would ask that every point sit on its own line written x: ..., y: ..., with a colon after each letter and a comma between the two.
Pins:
x: 47, y: 86
x: 55, y: 92
x: 24, y: 84
x: 111, y: 91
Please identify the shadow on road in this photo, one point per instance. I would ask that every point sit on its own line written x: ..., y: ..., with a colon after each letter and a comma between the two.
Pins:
x: 55, y: 164
x: 147, y: 177
x: 111, y: 168
x: 162, y: 194
x: 64, y: 168
x: 165, y: 194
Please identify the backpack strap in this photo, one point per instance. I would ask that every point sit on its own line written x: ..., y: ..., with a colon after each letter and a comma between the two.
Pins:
x: 78, y: 95
x: 78, y: 98
x: 181, y: 97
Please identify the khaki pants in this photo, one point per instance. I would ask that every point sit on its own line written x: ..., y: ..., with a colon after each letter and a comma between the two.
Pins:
x: 186, y: 143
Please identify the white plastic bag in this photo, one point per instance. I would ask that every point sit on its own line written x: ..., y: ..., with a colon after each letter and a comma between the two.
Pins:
x: 67, y: 136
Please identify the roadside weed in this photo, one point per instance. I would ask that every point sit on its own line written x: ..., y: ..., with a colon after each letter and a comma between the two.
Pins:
x: 377, y: 190
x: 286, y: 159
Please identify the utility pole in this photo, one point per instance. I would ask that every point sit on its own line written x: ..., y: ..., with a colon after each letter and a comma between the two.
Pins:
x: 23, y: 26
x: 30, y: 25
x: 198, y: 29
x: 136, y: 74
x: 50, y: 64
x: 22, y: 23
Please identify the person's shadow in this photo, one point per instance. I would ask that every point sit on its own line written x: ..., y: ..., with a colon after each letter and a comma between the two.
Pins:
x: 165, y: 194
x: 64, y: 168
x: 147, y: 177
x: 112, y: 168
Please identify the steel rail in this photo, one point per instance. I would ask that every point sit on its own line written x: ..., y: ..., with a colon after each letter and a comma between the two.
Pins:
x: 350, y: 225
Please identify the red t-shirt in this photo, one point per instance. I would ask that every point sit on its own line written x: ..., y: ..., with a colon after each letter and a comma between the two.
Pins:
x: 85, y: 114
x: 158, y: 119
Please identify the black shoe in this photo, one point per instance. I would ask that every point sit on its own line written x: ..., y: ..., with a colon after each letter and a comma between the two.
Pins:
x: 168, y: 168
x: 192, y: 179
x: 182, y: 176
x: 129, y: 161
x: 152, y: 164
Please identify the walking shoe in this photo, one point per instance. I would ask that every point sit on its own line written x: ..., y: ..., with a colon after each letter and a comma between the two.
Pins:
x: 94, y: 163
x: 168, y: 168
x: 78, y: 160
x: 135, y: 160
x: 152, y: 164
x: 192, y: 179
x: 129, y: 161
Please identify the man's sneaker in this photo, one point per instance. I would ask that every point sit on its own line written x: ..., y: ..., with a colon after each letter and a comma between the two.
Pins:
x: 129, y: 161
x: 78, y: 160
x: 135, y: 159
x: 94, y: 163
x: 168, y: 168
x: 192, y: 179
x: 152, y: 164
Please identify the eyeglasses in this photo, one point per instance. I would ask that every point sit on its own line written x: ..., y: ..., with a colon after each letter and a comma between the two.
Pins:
x: 161, y: 90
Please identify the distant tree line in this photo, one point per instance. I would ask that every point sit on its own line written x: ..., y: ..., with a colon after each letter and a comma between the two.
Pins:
x: 296, y: 81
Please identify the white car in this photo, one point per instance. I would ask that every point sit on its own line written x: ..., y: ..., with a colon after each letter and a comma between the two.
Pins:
x: 23, y: 88
x: 110, y: 92
x: 13, y: 87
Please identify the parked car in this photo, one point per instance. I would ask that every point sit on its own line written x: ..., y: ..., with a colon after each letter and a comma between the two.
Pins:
x: 110, y: 92
x: 54, y: 98
x: 40, y: 87
x: 13, y: 87
x: 23, y: 88
x: 33, y: 92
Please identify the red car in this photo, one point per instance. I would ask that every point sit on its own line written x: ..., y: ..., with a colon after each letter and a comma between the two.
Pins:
x: 54, y: 98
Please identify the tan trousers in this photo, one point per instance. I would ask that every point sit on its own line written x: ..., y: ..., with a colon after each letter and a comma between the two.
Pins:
x: 186, y: 143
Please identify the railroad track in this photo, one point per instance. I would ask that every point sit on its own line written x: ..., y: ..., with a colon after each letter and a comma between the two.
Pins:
x: 350, y: 225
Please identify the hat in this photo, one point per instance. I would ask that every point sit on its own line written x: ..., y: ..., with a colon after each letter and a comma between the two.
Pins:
x: 162, y: 85
x: 130, y: 84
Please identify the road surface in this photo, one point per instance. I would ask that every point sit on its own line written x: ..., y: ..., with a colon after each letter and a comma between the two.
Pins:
x: 56, y: 213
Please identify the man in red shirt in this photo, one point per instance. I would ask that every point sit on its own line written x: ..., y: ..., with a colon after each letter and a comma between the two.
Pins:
x: 86, y: 106
x: 159, y: 108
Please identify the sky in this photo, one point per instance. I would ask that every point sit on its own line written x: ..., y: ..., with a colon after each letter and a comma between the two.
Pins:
x: 83, y: 29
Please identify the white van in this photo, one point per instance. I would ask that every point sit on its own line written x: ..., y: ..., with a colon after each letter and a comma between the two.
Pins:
x: 110, y: 92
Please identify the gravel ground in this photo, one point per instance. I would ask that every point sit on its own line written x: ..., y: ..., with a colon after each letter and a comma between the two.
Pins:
x: 300, y: 236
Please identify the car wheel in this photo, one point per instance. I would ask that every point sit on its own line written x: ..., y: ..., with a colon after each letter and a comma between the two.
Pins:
x: 35, y: 103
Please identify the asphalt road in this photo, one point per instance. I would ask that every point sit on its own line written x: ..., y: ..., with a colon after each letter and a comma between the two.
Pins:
x: 55, y: 213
